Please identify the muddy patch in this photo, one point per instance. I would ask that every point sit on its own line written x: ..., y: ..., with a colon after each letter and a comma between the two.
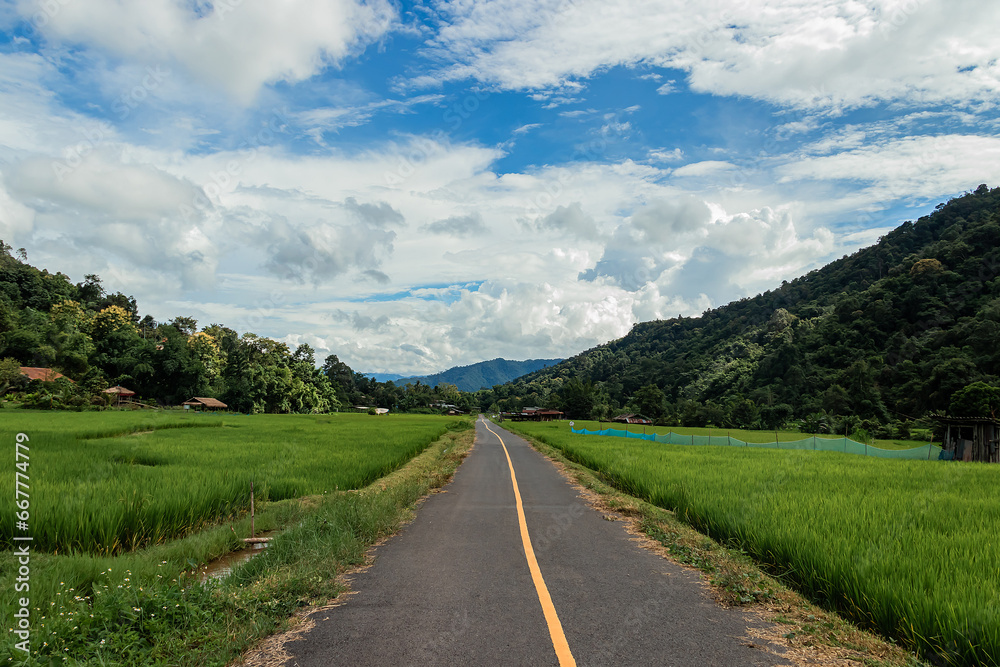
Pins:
x: 221, y: 567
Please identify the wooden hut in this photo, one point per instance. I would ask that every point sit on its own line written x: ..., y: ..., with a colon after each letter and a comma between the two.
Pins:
x: 971, y: 438
x: 200, y: 403
x: 119, y: 393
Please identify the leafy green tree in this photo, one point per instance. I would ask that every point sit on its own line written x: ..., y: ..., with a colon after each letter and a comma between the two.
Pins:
x: 576, y: 398
x: 650, y: 401
x: 976, y: 400
x: 10, y: 375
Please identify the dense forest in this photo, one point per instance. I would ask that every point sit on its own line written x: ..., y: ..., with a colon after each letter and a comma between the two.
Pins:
x: 96, y: 340
x: 880, y: 338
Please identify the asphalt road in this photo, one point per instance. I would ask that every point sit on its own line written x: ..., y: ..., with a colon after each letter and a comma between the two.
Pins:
x: 455, y: 587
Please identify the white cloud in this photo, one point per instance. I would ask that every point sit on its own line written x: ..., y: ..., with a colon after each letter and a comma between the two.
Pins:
x: 664, y: 155
x: 893, y: 168
x: 705, y: 168
x: 458, y: 225
x: 667, y: 88
x: 238, y: 46
x: 331, y: 119
x: 831, y: 55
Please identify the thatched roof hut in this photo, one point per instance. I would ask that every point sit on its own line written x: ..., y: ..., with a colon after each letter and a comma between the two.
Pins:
x: 202, y: 403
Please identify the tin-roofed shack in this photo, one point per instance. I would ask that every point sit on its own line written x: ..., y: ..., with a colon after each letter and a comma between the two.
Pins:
x: 971, y: 438
x: 630, y: 418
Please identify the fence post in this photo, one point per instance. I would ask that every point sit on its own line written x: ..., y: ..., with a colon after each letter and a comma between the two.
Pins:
x: 692, y: 438
x: 814, y: 443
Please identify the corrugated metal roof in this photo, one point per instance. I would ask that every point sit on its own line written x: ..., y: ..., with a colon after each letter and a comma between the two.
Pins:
x: 947, y: 419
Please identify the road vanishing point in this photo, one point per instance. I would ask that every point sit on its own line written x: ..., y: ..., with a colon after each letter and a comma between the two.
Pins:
x: 511, y: 567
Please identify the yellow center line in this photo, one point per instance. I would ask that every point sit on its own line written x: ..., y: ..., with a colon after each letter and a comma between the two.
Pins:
x: 559, y: 642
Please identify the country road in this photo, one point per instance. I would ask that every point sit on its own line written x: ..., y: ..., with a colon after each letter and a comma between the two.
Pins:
x: 480, y: 579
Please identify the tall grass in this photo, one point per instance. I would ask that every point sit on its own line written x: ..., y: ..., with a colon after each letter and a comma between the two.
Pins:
x: 908, y: 548
x: 91, y: 493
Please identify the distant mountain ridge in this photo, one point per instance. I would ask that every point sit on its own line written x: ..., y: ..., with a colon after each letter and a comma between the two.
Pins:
x: 482, y: 375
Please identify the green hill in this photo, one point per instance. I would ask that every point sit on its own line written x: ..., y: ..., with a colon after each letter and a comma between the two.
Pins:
x: 885, y: 335
x: 482, y: 375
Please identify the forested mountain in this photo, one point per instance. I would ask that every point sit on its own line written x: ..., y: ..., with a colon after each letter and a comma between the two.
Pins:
x: 885, y: 335
x: 482, y: 375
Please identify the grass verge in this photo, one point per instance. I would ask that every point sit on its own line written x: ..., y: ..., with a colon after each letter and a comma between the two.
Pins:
x: 148, y: 608
x: 809, y: 633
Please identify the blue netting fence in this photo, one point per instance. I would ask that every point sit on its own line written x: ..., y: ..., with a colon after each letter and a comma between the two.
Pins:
x: 844, y: 445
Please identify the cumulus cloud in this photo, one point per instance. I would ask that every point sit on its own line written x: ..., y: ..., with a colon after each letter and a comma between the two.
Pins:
x: 238, y: 46
x: 692, y: 250
x: 569, y: 219
x: 361, y: 322
x: 458, y: 225
x: 138, y: 212
x: 662, y: 221
x: 377, y: 215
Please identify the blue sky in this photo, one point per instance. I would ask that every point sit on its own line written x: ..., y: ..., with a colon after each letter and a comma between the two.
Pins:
x: 413, y: 186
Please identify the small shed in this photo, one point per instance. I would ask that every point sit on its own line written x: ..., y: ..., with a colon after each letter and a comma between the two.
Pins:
x: 200, y: 403
x: 971, y: 438
x: 631, y: 418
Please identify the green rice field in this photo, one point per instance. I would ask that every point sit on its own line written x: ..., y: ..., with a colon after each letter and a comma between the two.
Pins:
x: 126, y: 508
x: 908, y: 548
x: 112, y: 482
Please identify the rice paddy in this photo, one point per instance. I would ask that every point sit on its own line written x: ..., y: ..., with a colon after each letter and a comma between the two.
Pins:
x: 907, y: 548
x: 131, y: 595
x: 108, y: 483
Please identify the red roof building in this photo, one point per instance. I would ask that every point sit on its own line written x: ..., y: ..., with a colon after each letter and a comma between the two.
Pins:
x: 43, y: 374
